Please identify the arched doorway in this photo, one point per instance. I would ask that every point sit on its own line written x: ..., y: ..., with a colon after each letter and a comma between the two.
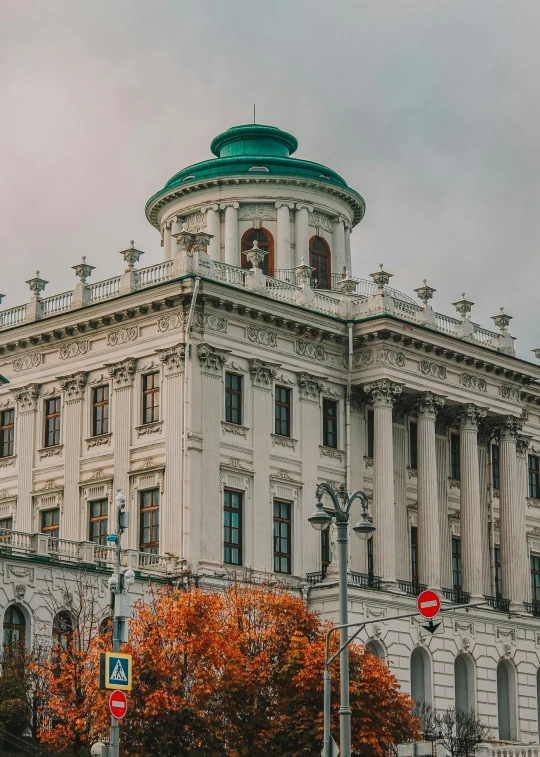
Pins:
x: 464, y: 689
x: 320, y: 260
x: 420, y: 676
x: 265, y: 241
x: 14, y: 631
x: 376, y: 649
x: 506, y: 701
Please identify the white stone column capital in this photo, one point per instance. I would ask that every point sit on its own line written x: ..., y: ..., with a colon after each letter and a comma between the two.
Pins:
x: 304, y: 206
x: 470, y: 416
x: 509, y: 428
x: 522, y: 445
x: 212, y: 206
x: 339, y: 219
x: 427, y: 405
x: 73, y: 386
x: 122, y: 373
x: 282, y: 204
x: 383, y: 392
x: 232, y: 204
x: 26, y: 397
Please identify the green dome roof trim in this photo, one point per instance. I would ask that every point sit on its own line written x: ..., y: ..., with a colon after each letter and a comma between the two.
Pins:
x: 254, y: 139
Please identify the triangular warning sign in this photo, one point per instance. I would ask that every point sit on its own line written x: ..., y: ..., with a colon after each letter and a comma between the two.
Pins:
x: 118, y: 673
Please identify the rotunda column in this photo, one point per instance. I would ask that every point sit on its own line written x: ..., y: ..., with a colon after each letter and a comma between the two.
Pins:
x: 301, y: 234
x: 213, y: 227
x: 470, y: 516
x: 338, y: 245
x: 167, y: 239
x: 428, y: 506
x: 383, y: 393
x: 283, y: 250
x: 348, y: 258
x: 232, y: 244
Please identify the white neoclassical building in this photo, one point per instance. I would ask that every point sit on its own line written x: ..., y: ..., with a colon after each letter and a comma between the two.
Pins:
x: 216, y: 389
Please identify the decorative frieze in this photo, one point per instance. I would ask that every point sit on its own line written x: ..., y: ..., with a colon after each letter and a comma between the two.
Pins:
x: 73, y: 386
x: 262, y: 374
x: 74, y: 348
x: 212, y: 321
x: 170, y: 321
x: 334, y: 454
x: 195, y: 222
x: 320, y: 220
x: 26, y: 397
x: 283, y: 441
x: 433, y: 369
x: 50, y: 451
x: 266, y: 337
x: 149, y: 428
x: 511, y: 393
x: 98, y: 441
x: 252, y: 211
x: 387, y: 355
x: 172, y: 358
x: 27, y: 361
x: 122, y: 373
x: 211, y: 359
x: 312, y: 350
x: 473, y: 381
x: 122, y: 335
x: 309, y: 387
x: 7, y: 462
x: 234, y: 429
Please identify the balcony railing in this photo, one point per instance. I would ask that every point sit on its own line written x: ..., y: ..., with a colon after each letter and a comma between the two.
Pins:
x: 498, y: 603
x: 412, y: 588
x: 366, y: 580
x: 533, y: 608
x: 316, y: 577
x: 457, y: 596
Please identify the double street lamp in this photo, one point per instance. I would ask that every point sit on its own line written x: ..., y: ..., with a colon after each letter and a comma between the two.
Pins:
x: 321, y: 520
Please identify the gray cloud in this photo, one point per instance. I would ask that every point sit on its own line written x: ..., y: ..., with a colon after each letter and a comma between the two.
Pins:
x: 429, y: 108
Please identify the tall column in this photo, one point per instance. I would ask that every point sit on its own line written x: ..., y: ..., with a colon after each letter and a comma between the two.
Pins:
x: 484, y: 435
x: 338, y: 245
x: 383, y: 393
x: 73, y: 388
x: 471, y: 522
x: 442, y: 452
x: 262, y: 377
x: 283, y: 249
x: 522, y: 445
x: 232, y: 244
x: 167, y: 240
x: 123, y: 376
x: 25, y: 440
x: 399, y: 431
x: 171, y: 526
x: 309, y: 389
x: 348, y: 257
x: 428, y: 506
x: 301, y: 234
x: 512, y: 517
x: 213, y: 227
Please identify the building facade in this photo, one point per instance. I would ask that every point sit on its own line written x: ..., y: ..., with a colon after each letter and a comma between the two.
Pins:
x: 217, y: 387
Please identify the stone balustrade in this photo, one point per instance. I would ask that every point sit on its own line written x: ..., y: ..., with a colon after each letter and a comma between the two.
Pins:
x: 509, y: 750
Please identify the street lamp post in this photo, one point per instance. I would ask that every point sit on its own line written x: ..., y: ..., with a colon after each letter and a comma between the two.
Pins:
x: 320, y: 520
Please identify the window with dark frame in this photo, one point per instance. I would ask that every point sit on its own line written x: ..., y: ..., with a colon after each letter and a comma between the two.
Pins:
x: 326, y: 552
x: 495, y: 465
x: 330, y: 423
x: 320, y: 260
x: 50, y: 522
x: 498, y: 572
x: 7, y: 432
x: 99, y: 521
x: 150, y: 397
x: 265, y: 242
x: 232, y: 527
x: 413, y: 445
x: 62, y: 629
x: 535, y: 579
x: 52, y: 422
x: 455, y: 470
x: 6, y: 525
x: 233, y: 398
x: 282, y: 537
x: 149, y: 521
x: 14, y: 628
x: 457, y: 577
x: 414, y: 554
x: 100, y: 410
x: 370, y: 432
x: 282, y: 411
x: 534, y: 477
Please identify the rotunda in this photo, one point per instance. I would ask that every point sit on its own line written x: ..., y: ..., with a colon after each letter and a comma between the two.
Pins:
x: 254, y: 191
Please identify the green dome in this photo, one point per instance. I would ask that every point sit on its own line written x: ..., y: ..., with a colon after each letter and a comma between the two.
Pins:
x: 254, y: 139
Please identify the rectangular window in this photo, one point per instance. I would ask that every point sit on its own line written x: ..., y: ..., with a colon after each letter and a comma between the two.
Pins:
x: 413, y: 445
x: 326, y: 552
x: 457, y: 577
x: 52, y: 422
x: 498, y: 571
x: 330, y: 423
x: 370, y: 432
x: 455, y: 471
x: 282, y: 537
x: 99, y: 521
x: 149, y: 534
x: 50, y: 522
x: 100, y: 410
x: 534, y: 477
x: 7, y: 432
x: 283, y: 411
x: 370, y: 557
x: 6, y: 524
x: 414, y: 554
x: 232, y: 527
x: 495, y: 466
x: 150, y: 398
x: 233, y: 398
x: 535, y: 579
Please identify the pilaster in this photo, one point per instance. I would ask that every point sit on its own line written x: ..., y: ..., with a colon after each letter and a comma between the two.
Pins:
x: 73, y: 388
x: 26, y: 398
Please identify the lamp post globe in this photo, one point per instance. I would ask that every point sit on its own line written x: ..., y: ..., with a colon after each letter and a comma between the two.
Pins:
x: 320, y: 520
x: 364, y: 528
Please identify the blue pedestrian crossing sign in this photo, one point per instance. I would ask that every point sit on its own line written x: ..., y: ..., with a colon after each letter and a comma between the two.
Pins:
x: 118, y: 671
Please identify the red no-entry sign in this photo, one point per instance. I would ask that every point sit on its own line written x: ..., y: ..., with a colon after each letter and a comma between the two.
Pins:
x: 428, y: 604
x: 118, y: 704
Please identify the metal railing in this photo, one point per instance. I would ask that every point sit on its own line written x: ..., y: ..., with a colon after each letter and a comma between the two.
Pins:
x: 412, y: 588
x: 498, y: 603
x: 457, y: 596
x: 533, y: 608
x: 366, y: 580
x: 315, y: 577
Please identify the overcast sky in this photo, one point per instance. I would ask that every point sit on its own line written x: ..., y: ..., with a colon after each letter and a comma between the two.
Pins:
x: 429, y: 108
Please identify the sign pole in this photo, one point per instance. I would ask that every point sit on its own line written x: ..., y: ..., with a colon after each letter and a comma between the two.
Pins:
x: 116, y: 589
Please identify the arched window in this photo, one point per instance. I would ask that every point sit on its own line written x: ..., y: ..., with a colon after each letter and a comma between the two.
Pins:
x: 14, y: 631
x: 464, y: 683
x: 506, y: 701
x: 265, y: 241
x: 62, y: 629
x: 420, y: 676
x: 376, y: 649
x: 319, y: 259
